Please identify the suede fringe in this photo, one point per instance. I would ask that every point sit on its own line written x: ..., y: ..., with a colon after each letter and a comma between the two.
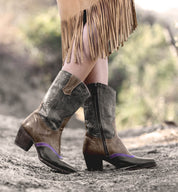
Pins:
x: 109, y: 22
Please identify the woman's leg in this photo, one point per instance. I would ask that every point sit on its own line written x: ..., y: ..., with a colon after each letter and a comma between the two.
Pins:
x: 89, y: 71
x: 81, y: 70
x: 99, y: 73
x: 44, y: 126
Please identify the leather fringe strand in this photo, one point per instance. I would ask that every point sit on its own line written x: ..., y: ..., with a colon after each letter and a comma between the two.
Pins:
x: 109, y: 22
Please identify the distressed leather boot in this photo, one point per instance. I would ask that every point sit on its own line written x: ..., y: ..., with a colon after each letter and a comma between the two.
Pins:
x: 44, y: 126
x: 101, y: 140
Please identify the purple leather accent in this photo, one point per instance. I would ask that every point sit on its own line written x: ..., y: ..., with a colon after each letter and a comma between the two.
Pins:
x: 120, y: 154
x: 49, y: 146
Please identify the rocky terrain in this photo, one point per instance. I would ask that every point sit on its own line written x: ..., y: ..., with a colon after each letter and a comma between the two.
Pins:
x: 22, y: 171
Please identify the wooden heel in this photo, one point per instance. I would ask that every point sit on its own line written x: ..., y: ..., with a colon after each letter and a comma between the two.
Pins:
x: 23, y: 139
x: 93, y: 162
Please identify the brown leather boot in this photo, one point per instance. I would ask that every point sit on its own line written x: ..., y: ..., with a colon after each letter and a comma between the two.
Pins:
x: 44, y: 126
x: 101, y: 140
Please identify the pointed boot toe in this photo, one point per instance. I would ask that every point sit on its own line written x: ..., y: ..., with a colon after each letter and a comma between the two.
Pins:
x: 46, y: 153
x: 44, y: 126
x: 50, y: 157
x: 130, y: 161
x: 101, y: 141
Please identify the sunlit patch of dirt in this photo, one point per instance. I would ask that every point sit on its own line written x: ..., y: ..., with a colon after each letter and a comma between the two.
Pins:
x: 167, y: 136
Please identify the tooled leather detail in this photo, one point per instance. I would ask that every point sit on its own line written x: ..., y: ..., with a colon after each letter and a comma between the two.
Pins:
x: 57, y: 106
x: 71, y: 84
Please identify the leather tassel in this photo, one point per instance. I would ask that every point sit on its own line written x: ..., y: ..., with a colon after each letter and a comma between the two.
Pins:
x: 109, y: 22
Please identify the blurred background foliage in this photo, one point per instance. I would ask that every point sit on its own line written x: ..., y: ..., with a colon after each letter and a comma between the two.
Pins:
x: 144, y: 72
x: 148, y: 71
x: 43, y: 35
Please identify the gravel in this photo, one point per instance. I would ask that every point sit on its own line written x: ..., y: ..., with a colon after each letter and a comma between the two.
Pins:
x: 22, y: 171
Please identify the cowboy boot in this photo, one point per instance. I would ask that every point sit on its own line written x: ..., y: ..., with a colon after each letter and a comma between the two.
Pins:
x: 44, y: 126
x: 101, y: 140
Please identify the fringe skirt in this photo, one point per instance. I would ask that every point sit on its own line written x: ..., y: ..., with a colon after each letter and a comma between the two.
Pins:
x: 109, y: 23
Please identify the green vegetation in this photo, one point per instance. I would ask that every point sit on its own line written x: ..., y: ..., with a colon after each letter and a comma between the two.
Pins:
x: 148, y: 70
x: 44, y: 30
x: 42, y: 35
x: 143, y: 72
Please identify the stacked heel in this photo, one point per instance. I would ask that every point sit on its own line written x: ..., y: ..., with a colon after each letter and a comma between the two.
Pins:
x: 23, y: 139
x: 93, y: 162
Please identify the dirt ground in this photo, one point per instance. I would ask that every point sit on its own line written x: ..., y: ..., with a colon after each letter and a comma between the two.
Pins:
x: 22, y: 171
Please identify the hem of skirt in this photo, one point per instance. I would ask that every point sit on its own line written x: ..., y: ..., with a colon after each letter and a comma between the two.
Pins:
x: 109, y: 22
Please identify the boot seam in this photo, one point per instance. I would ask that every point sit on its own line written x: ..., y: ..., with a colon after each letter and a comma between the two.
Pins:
x: 100, y: 123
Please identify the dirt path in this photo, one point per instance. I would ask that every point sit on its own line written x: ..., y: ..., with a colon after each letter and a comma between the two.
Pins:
x: 21, y: 171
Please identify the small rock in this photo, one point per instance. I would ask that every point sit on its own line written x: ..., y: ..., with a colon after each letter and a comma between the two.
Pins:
x: 153, y: 151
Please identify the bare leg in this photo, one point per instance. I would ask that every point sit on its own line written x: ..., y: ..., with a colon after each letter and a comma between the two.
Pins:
x: 88, y: 71
x: 81, y: 70
x: 99, y: 73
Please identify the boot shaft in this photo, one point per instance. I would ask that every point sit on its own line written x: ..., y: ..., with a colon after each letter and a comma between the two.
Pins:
x: 101, y: 141
x: 99, y: 111
x: 65, y: 95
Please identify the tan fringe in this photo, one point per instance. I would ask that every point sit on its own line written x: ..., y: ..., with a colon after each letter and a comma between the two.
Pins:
x: 109, y: 22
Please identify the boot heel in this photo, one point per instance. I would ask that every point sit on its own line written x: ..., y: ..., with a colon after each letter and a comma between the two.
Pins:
x: 93, y: 162
x: 23, y: 139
